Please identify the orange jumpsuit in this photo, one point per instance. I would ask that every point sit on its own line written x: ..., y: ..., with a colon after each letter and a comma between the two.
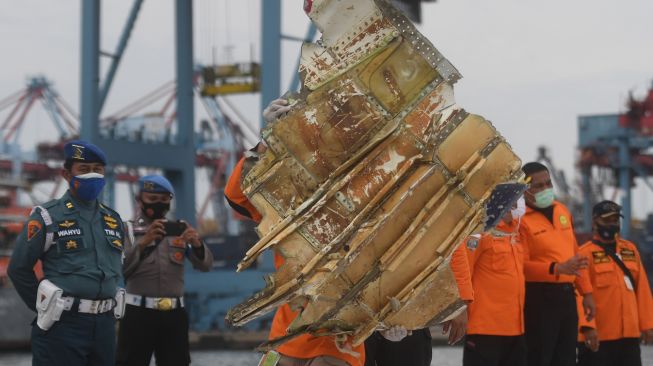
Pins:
x: 550, y: 315
x: 304, y: 346
x: 460, y: 267
x: 497, y: 268
x: 547, y: 244
x: 621, y: 312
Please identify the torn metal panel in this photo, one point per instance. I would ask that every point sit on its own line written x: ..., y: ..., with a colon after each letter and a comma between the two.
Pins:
x: 371, y: 180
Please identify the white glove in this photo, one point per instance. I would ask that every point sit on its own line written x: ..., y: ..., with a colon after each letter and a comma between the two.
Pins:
x: 396, y: 333
x: 275, y: 109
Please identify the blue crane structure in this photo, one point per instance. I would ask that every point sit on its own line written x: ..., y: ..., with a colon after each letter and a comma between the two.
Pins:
x: 618, y: 143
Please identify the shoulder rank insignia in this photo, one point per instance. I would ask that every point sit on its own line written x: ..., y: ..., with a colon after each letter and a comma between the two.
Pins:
x: 600, y: 257
x: 66, y: 224
x: 69, y: 205
x: 472, y: 243
x: 117, y: 243
x: 108, y: 218
x: 627, y: 255
x: 71, y: 244
x: 33, y: 228
x: 111, y: 225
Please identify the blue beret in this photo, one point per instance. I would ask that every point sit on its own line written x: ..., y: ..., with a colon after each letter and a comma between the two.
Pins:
x: 83, y: 151
x: 155, y: 184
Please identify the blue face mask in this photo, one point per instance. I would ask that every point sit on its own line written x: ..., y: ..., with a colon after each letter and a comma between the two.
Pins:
x: 87, y: 187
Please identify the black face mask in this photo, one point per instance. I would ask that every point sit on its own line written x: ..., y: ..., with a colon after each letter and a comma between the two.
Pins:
x: 608, y: 232
x: 155, y: 210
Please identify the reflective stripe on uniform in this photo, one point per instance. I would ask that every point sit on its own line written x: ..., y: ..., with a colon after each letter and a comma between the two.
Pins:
x: 47, y: 220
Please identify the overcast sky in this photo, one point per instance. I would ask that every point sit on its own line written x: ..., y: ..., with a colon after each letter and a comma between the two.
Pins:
x: 529, y: 66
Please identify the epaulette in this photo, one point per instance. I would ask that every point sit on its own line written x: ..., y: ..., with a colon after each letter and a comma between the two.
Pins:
x: 50, y: 204
x: 107, y: 208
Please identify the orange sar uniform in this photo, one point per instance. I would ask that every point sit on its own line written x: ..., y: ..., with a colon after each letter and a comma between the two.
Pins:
x: 551, y: 318
x: 496, y: 263
x: 623, y: 310
x: 304, y: 346
x: 495, y: 325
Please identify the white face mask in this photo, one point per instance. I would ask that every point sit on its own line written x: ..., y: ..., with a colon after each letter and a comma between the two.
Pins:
x: 89, y: 176
x: 520, y: 210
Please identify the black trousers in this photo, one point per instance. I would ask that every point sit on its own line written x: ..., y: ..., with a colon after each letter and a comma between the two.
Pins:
x: 77, y: 339
x: 145, y: 331
x: 620, y: 352
x: 551, y: 324
x: 414, y: 350
x: 492, y: 350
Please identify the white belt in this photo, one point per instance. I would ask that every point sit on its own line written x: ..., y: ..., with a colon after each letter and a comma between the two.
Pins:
x: 89, y: 306
x: 156, y: 303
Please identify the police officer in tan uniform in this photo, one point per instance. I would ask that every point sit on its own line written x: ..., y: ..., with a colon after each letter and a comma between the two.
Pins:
x: 155, y: 319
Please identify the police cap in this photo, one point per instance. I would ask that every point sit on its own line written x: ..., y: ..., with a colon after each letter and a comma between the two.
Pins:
x: 155, y: 184
x: 606, y: 208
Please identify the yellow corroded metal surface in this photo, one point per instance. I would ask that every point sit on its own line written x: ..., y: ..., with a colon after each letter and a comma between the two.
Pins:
x: 371, y: 180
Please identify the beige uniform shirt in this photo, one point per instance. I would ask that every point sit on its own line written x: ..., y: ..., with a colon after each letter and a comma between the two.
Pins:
x: 161, y: 273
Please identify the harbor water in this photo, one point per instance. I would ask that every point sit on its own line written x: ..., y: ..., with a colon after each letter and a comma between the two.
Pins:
x: 442, y: 356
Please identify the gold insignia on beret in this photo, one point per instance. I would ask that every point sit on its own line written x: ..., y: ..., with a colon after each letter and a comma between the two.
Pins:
x: 148, y: 186
x: 77, y: 152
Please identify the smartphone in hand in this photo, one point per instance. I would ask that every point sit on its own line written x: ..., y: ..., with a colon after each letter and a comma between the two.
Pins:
x: 174, y: 228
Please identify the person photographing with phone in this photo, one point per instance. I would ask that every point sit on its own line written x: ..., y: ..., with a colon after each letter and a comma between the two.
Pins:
x: 155, y: 319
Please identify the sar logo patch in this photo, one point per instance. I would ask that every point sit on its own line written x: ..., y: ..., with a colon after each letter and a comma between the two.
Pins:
x: 564, y: 221
x: 33, y: 228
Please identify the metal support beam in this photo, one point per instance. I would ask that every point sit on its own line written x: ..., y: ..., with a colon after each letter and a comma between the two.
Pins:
x: 51, y: 107
x: 624, y: 184
x: 117, y: 56
x: 90, y: 78
x: 183, y: 178
x: 270, y: 52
